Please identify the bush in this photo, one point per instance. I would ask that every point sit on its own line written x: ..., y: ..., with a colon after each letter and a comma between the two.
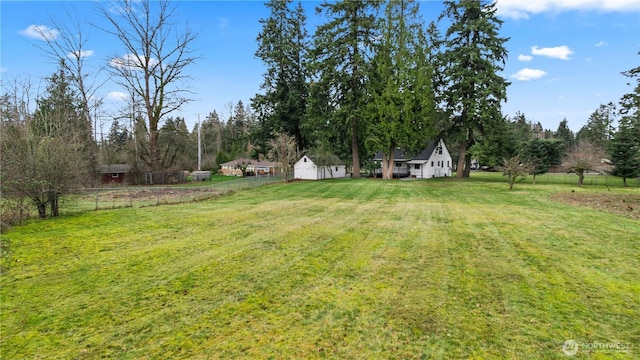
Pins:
x: 12, y: 213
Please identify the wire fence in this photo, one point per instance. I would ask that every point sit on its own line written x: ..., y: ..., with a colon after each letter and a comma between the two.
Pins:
x: 562, y: 178
x: 138, y: 196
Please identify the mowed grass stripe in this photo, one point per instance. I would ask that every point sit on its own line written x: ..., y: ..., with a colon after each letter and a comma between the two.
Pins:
x: 338, y: 269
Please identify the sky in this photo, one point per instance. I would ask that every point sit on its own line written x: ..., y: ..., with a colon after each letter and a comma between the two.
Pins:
x: 565, y: 56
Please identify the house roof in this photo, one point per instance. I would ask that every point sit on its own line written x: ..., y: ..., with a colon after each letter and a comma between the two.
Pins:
x: 332, y: 159
x: 398, y: 155
x: 115, y: 168
x: 426, y: 153
x: 249, y: 161
x: 401, y: 155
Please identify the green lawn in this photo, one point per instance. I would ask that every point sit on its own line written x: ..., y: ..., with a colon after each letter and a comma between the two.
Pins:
x: 349, y: 269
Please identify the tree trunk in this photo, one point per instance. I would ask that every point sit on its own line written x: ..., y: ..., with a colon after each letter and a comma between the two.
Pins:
x: 354, y: 148
x: 42, y: 209
x: 580, y: 177
x: 54, y: 205
x: 387, y: 164
x: 534, y: 179
x: 154, y: 153
x: 467, y: 165
x: 461, y: 159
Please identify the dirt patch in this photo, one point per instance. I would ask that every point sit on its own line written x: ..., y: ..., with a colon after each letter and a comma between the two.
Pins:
x: 151, y: 194
x: 620, y: 204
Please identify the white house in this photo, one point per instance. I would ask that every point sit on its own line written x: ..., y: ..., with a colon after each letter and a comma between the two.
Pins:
x: 434, y: 161
x: 307, y: 168
x: 400, y: 167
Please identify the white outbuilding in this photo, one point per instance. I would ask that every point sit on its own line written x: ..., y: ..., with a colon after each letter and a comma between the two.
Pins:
x: 310, y: 168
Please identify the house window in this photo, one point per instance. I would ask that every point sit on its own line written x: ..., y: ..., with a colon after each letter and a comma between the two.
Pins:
x: 336, y: 168
x: 439, y: 149
x: 438, y: 163
x: 416, y: 166
x: 115, y: 175
x: 432, y: 164
x: 305, y: 159
x: 448, y: 163
x: 398, y: 164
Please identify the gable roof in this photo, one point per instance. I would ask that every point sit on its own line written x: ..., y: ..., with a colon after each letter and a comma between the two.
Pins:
x: 426, y: 153
x: 332, y: 160
x: 400, y: 155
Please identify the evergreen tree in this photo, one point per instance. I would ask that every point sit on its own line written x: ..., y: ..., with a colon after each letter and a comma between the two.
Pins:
x: 211, y: 137
x: 599, y: 128
x: 474, y: 56
x: 282, y: 46
x: 402, y: 101
x: 565, y: 135
x: 498, y: 142
x: 542, y: 155
x: 624, y: 151
x: 174, y: 145
x: 341, y: 56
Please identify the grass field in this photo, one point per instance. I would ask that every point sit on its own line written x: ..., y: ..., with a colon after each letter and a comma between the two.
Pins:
x: 350, y: 269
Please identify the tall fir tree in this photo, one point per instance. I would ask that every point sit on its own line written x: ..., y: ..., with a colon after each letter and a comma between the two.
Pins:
x: 282, y: 46
x: 471, y: 87
x: 342, y: 53
x: 624, y: 148
x: 564, y: 134
x: 600, y: 126
x: 401, y: 104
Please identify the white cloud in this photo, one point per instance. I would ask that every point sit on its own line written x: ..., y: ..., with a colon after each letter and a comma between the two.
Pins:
x: 525, y: 57
x: 527, y: 74
x: 558, y: 52
x: 81, y: 53
x: 117, y: 95
x: 40, y: 32
x: 521, y: 9
x: 131, y: 61
x: 600, y: 43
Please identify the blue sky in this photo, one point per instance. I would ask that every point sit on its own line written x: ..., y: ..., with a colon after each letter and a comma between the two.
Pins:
x: 565, y: 56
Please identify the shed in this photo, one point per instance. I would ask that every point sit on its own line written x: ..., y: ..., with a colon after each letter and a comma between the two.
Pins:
x: 115, y: 173
x: 309, y: 167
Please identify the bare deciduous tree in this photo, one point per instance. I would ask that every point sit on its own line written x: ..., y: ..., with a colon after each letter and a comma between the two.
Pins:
x: 153, y: 66
x: 515, y: 169
x: 43, y: 155
x: 583, y: 157
x: 69, y: 48
x: 284, y: 150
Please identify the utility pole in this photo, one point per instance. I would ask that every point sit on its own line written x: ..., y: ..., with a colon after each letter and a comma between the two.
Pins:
x: 199, y: 144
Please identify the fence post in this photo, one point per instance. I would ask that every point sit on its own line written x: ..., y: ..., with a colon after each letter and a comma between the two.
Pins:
x: 97, y: 201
